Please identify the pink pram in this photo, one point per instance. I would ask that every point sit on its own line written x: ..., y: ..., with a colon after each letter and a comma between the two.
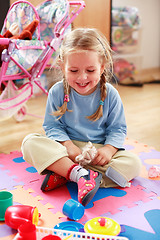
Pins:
x: 27, y: 59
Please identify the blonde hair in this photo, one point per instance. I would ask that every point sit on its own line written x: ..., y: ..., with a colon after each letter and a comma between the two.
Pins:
x: 87, y: 39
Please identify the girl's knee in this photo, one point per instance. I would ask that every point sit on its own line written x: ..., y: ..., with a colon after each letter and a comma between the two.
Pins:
x: 135, y: 164
x: 28, y: 143
x: 127, y: 163
x: 31, y: 138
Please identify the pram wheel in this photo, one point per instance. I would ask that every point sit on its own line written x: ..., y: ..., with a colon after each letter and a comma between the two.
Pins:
x: 20, y: 114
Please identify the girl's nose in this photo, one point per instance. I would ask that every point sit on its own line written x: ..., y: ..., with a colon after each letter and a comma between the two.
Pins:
x: 82, y: 76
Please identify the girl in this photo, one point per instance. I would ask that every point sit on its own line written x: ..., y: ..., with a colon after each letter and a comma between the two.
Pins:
x: 83, y: 107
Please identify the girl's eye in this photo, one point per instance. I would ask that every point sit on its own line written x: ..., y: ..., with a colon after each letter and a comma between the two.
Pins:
x: 90, y: 71
x: 74, y: 70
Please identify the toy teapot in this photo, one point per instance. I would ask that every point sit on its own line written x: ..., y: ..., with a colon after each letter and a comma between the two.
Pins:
x: 102, y: 225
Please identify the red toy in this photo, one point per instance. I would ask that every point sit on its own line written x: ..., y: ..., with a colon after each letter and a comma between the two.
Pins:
x: 13, y: 31
x: 51, y: 237
x: 19, y: 214
x: 27, y: 231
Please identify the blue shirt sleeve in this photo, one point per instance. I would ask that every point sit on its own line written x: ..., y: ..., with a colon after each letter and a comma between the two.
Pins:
x: 116, y: 128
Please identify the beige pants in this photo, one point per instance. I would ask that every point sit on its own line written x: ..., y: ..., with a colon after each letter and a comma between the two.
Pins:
x: 41, y: 152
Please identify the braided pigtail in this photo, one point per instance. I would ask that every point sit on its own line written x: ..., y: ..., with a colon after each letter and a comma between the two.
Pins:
x: 62, y: 109
x: 99, y: 113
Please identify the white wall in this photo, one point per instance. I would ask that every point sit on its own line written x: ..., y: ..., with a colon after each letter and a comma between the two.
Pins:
x: 150, y: 20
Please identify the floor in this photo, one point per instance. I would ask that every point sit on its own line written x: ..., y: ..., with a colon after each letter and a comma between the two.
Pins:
x: 142, y: 109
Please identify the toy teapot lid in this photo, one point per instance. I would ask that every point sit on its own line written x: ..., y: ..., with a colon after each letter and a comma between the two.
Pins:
x: 102, y: 225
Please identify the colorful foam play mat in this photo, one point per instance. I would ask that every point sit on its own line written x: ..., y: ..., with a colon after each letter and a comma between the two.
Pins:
x: 136, y: 208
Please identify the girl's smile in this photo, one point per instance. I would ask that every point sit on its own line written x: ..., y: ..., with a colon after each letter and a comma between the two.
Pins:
x: 82, y: 71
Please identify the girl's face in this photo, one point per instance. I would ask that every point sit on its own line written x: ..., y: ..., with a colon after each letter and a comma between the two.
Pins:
x: 82, y: 71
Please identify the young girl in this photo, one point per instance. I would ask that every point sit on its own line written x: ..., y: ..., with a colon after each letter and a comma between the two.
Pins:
x: 83, y: 107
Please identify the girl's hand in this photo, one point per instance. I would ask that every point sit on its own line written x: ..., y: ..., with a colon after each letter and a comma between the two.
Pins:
x: 104, y: 155
x: 72, y: 149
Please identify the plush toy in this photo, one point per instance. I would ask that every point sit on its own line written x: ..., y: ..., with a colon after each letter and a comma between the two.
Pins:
x: 88, y: 154
x: 154, y: 172
x: 13, y: 33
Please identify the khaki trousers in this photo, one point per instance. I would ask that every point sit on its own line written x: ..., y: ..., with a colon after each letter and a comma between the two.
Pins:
x: 41, y: 152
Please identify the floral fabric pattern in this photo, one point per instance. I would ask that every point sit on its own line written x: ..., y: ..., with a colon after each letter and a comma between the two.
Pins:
x: 25, y: 53
x: 22, y: 14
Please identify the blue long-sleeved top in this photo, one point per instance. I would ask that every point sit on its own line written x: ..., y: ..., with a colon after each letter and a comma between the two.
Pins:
x: 109, y: 129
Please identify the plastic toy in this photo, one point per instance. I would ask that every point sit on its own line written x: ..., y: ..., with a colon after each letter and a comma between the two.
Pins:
x: 6, y: 200
x: 69, y: 226
x: 154, y: 172
x: 54, y: 237
x: 73, y: 209
x: 20, y: 214
x: 102, y: 225
x: 42, y: 232
x: 51, y: 237
x: 27, y: 231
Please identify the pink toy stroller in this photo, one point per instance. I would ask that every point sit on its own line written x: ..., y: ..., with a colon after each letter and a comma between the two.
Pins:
x: 25, y: 60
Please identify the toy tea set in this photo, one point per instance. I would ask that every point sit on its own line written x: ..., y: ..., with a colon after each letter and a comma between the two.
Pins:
x: 25, y: 219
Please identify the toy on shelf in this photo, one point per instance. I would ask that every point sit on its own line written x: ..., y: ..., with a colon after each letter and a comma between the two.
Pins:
x: 123, y: 69
x: 102, y: 225
x: 19, y: 214
x: 125, y: 29
x: 125, y: 16
x: 125, y: 72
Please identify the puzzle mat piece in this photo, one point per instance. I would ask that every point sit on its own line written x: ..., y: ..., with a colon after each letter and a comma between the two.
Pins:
x: 6, y: 230
x: 8, y: 182
x: 152, y: 217
x: 137, y: 146
x: 10, y: 237
x: 57, y: 197
x: 151, y: 158
x: 102, y: 193
x: 18, y: 167
x: 135, y: 216
x: 4, y: 157
x: 149, y: 185
x: 47, y: 219
x: 113, y: 204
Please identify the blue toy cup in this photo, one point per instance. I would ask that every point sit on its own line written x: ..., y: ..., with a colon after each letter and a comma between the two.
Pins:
x: 73, y: 209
